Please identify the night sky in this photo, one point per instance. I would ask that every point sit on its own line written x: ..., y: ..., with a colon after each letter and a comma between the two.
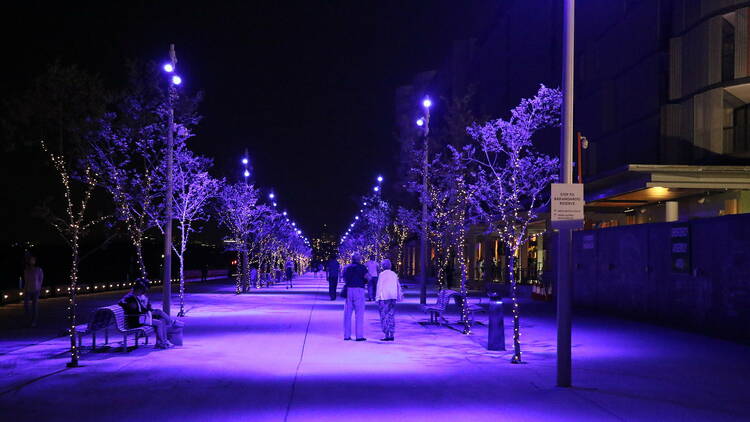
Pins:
x: 307, y: 87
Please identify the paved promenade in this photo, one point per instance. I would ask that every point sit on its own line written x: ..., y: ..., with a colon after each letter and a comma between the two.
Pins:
x: 278, y: 355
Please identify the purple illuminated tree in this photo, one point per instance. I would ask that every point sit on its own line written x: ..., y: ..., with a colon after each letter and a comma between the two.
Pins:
x: 238, y: 213
x: 450, y: 214
x: 512, y: 178
x: 405, y: 223
x: 369, y: 234
x: 193, y: 189
x: 267, y: 239
x: 128, y: 151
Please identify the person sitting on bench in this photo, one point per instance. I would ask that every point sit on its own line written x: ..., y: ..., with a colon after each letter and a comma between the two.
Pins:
x: 138, y: 311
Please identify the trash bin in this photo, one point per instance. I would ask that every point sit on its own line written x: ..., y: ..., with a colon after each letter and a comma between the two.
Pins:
x: 496, y: 331
x: 174, y: 333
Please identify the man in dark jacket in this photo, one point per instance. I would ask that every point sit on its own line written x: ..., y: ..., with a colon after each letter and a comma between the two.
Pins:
x: 355, y: 279
x: 333, y: 270
x: 138, y: 311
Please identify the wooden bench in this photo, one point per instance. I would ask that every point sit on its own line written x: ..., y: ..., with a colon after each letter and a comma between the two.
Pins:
x: 114, y: 315
x: 437, y: 310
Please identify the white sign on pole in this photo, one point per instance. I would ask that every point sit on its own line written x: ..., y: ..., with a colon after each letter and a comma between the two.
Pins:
x: 567, y: 204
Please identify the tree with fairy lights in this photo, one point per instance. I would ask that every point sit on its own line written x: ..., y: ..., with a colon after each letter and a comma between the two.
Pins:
x: 375, y: 219
x: 451, y: 212
x: 128, y: 151
x: 512, y: 178
x: 73, y: 225
x: 405, y: 223
x: 267, y: 238
x: 238, y: 212
x: 193, y: 189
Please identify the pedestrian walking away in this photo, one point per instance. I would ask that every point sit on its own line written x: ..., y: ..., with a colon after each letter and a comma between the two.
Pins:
x: 355, y: 279
x: 289, y: 273
x: 33, y: 277
x: 389, y: 292
x: 372, y: 278
x: 333, y: 271
x: 254, y: 275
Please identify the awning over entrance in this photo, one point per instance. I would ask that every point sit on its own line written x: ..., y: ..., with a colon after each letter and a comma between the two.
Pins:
x: 642, y: 184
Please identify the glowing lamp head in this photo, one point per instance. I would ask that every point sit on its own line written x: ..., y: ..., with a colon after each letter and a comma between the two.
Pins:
x: 168, y: 68
x: 284, y: 213
x: 427, y: 103
x: 376, y: 188
x: 356, y: 217
x: 271, y: 195
x: 247, y: 173
x: 380, y: 179
x: 176, y: 80
x: 274, y: 204
x: 420, y: 122
x: 244, y: 161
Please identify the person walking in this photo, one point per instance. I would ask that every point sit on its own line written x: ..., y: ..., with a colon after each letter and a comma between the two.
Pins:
x: 388, y: 293
x: 372, y: 274
x: 254, y: 275
x: 333, y: 271
x: 33, y: 277
x: 355, y: 279
x: 289, y: 272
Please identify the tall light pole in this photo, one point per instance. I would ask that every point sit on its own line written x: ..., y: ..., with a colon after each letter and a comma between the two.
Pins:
x: 378, y: 190
x: 564, y: 285
x: 175, y: 80
x: 424, y: 122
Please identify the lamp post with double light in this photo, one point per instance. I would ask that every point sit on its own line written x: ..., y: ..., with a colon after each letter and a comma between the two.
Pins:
x: 175, y: 80
x: 424, y: 124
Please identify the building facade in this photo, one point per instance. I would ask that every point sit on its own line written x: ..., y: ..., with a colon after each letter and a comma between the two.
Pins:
x: 661, y: 107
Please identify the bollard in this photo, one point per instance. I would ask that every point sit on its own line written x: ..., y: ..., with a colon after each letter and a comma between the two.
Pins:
x: 496, y: 332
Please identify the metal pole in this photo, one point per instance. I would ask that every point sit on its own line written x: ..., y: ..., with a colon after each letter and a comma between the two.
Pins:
x: 566, y: 176
x: 167, y: 287
x: 423, y: 237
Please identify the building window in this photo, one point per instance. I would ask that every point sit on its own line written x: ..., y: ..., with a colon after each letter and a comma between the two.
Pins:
x: 741, y: 130
x: 727, y: 48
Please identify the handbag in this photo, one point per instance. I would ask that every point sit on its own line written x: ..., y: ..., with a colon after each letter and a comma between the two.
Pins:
x: 343, y: 291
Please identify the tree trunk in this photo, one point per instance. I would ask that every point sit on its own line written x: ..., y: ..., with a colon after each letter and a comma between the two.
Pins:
x: 72, y: 301
x: 181, y: 257
x: 238, y: 279
x: 464, y: 296
x: 139, y: 256
x: 400, y: 260
x: 514, y: 297
x: 245, y: 268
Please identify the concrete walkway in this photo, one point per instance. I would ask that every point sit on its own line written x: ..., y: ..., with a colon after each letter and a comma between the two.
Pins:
x: 278, y: 355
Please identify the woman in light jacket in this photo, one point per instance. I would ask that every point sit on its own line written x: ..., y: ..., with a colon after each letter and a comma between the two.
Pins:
x: 387, y: 294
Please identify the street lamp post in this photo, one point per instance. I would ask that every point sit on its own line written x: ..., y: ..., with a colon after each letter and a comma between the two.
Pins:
x: 424, y: 122
x: 170, y: 67
x: 564, y: 285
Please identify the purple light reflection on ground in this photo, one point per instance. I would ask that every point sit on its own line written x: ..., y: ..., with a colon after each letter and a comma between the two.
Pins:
x: 241, y: 357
